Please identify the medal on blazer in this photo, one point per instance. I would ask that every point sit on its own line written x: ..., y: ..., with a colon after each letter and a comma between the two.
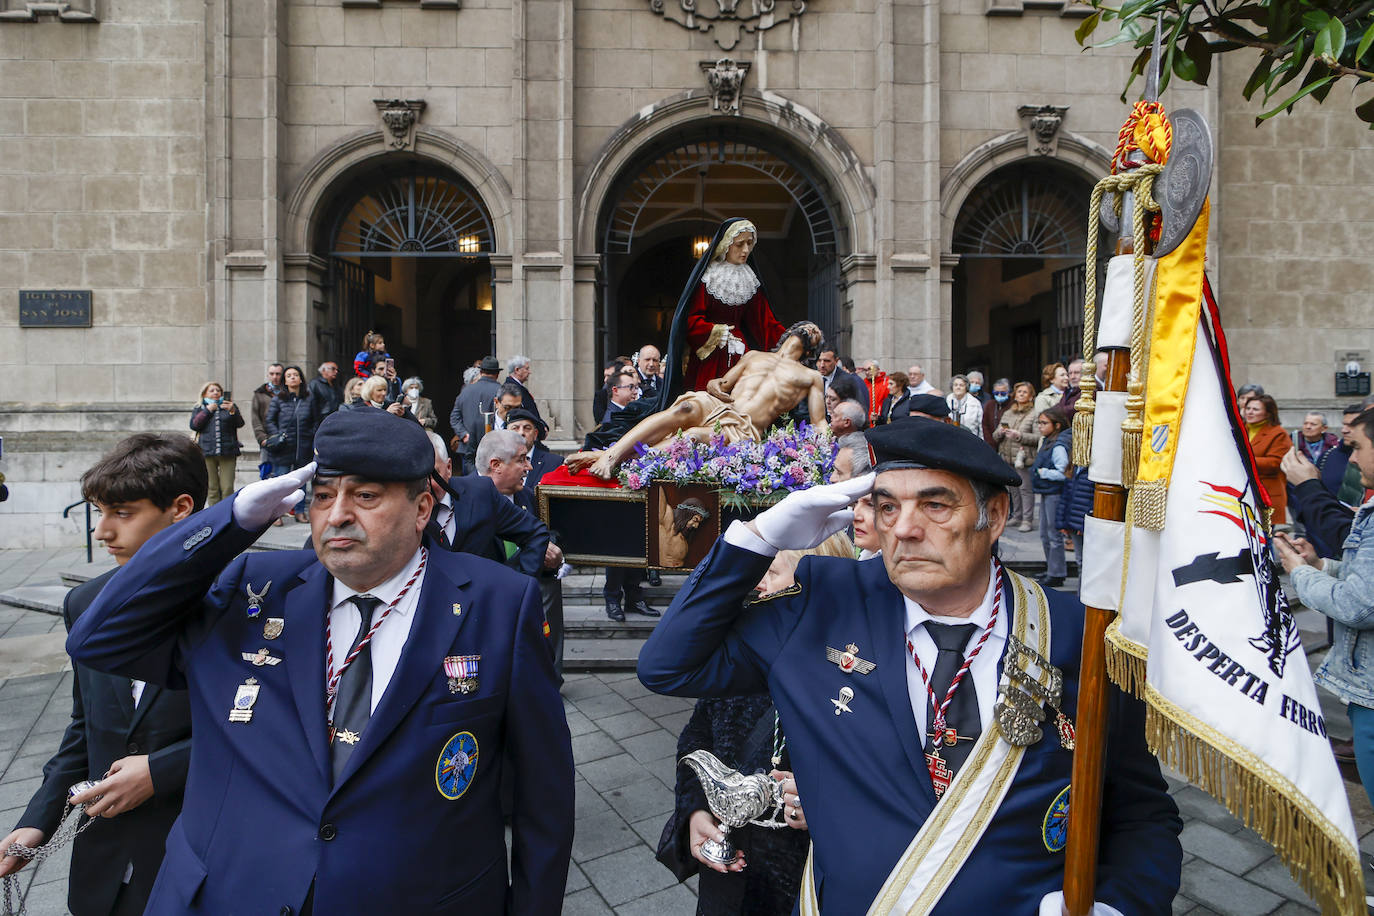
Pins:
x: 273, y: 627
x: 247, y: 695
x: 462, y: 673
x: 842, y: 704
x: 262, y: 657
x: 255, y: 598
x: 456, y: 766
x: 1029, y: 684
x: 848, y: 660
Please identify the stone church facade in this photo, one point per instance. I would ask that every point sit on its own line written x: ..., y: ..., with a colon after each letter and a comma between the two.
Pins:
x: 237, y: 182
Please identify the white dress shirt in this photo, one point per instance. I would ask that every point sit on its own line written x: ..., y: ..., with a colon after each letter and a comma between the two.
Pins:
x: 443, y: 517
x: 390, y: 638
x: 983, y: 672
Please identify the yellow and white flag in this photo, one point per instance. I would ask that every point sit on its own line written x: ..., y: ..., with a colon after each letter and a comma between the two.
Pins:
x: 1205, y: 635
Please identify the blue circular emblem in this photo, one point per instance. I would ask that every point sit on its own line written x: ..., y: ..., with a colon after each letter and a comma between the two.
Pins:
x: 457, y: 765
x: 1055, y: 830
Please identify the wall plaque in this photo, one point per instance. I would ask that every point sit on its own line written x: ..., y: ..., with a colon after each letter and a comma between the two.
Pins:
x: 54, y: 308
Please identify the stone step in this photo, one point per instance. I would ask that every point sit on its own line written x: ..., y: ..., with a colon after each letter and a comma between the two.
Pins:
x: 46, y: 599
x: 601, y: 654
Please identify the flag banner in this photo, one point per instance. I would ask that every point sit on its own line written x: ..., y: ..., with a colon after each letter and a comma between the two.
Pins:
x: 1205, y: 635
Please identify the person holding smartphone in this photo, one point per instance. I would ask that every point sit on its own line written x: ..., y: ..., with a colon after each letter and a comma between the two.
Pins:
x: 216, y: 420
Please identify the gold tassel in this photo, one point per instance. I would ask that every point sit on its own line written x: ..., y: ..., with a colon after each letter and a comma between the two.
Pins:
x: 1125, y: 668
x: 1318, y: 863
x: 1132, y: 429
x: 1083, y: 412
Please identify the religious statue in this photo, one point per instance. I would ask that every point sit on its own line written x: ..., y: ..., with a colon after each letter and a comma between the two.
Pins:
x: 725, y: 307
x: 758, y: 389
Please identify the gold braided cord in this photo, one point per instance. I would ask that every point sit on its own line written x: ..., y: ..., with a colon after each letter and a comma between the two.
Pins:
x: 1086, y: 405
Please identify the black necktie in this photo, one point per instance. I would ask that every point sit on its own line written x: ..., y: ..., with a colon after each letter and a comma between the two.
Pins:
x: 353, y: 704
x: 962, y: 715
x: 436, y: 525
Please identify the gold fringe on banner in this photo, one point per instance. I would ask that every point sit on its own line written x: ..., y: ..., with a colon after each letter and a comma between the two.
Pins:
x: 1320, y: 858
x: 1126, y: 661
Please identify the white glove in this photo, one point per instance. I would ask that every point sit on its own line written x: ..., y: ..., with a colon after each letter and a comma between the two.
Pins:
x: 805, y: 518
x: 733, y: 344
x: 1053, y: 905
x: 263, y: 501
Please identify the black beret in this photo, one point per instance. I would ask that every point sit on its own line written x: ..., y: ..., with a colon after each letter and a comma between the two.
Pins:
x: 930, y: 404
x: 372, y: 444
x: 920, y: 442
x: 521, y: 413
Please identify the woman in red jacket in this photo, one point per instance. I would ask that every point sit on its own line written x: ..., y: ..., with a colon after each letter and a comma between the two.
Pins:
x: 1269, y: 443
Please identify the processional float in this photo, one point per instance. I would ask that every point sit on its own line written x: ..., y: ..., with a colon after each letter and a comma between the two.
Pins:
x: 1183, y: 604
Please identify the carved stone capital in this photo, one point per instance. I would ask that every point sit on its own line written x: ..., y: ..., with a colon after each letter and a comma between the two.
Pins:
x: 728, y: 20
x: 31, y: 10
x: 399, y: 120
x: 725, y: 80
x: 1042, y: 123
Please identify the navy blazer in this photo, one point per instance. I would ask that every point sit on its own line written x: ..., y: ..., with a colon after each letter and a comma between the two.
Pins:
x: 263, y: 823
x: 864, y: 774
x: 105, y: 727
x: 483, y: 517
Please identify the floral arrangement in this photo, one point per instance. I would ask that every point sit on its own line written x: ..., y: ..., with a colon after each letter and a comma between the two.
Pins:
x: 791, y: 458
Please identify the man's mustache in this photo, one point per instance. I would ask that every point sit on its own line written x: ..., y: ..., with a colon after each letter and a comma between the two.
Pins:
x: 352, y: 531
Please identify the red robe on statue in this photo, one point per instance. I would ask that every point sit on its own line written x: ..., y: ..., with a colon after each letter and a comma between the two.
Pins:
x: 753, y: 322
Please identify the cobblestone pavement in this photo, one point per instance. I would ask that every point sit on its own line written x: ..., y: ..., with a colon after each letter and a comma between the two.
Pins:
x: 624, y: 739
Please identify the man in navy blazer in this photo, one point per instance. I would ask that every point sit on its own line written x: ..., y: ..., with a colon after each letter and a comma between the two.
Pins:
x: 354, y: 713
x: 851, y: 655
x: 470, y: 515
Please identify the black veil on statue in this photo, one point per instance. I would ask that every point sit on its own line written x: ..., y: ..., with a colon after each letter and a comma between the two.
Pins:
x: 674, y: 359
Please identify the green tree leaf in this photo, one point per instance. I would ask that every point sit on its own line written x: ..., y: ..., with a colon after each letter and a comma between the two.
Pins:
x: 1365, y: 42
x: 1085, y: 28
x: 1305, y: 90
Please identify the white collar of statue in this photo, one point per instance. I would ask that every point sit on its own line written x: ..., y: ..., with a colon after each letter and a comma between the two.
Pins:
x: 733, y: 284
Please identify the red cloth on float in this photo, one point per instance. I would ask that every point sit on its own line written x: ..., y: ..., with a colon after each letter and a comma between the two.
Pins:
x: 753, y: 322
x: 562, y: 477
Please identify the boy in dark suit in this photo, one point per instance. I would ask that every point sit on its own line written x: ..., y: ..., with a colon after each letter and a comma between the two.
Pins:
x: 133, y: 739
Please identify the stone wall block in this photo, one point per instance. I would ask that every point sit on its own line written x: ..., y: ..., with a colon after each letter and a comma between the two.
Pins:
x: 623, y: 69
x: 968, y: 33
x: 304, y: 105
x: 1332, y: 166
x: 36, y: 384
x: 168, y: 41
x: 56, y: 269
x: 89, y: 231
x: 26, y: 154
x: 598, y: 29
x: 372, y: 28
x: 51, y: 192
x: 315, y: 25
x: 111, y: 270
x: 114, y: 41
x: 139, y: 79
x: 246, y: 223
x: 828, y: 70
x: 27, y: 79
x: 85, y: 383
x: 11, y: 117
x: 162, y: 269
x: 186, y: 156
x: 458, y: 67
x: 344, y: 66
x: 487, y: 107
x: 51, y: 117
x: 50, y: 41
x: 399, y: 66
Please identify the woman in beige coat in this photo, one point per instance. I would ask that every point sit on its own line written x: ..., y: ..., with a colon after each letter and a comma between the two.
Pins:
x: 1017, y: 439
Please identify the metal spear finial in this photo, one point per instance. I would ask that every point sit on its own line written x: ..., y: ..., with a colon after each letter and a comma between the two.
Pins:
x: 1152, y: 68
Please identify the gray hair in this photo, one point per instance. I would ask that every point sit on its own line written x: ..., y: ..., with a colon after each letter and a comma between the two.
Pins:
x: 858, y: 452
x: 501, y: 444
x: 852, y: 411
x: 370, y: 385
x: 470, y: 375
x: 983, y: 493
x: 328, y: 362
x: 1003, y: 381
x: 440, y: 449
x: 1318, y: 414
x: 517, y: 362
x: 413, y: 380
x: 974, y: 372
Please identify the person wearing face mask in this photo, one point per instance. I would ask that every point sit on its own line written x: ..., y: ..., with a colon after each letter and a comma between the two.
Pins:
x: 423, y: 408
x: 975, y: 387
x: 995, y: 407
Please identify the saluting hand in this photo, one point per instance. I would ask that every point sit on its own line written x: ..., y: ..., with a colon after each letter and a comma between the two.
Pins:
x: 128, y: 785
x: 805, y: 518
x: 263, y: 501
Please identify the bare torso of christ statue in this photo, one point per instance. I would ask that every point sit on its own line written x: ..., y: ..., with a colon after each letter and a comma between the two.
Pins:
x: 743, y: 403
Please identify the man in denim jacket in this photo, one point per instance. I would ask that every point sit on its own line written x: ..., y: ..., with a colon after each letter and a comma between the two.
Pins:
x: 1344, y: 591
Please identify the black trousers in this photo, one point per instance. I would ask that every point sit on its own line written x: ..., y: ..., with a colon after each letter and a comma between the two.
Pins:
x: 623, y: 579
x: 551, y: 595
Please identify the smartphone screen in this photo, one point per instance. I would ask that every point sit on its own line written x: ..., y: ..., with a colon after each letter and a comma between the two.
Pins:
x: 390, y: 364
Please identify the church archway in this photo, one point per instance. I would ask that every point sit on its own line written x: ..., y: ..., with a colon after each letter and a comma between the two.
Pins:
x: 405, y: 249
x: 1020, y: 235
x: 779, y: 152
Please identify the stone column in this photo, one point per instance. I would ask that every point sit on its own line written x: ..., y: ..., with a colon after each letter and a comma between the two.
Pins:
x: 537, y: 319
x: 905, y: 321
x: 246, y: 92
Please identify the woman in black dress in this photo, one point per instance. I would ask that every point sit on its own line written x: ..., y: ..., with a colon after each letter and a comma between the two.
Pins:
x: 745, y: 734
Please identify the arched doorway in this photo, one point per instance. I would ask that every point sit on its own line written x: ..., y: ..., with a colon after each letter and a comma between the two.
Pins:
x: 408, y: 251
x: 668, y: 200
x: 1018, y: 288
